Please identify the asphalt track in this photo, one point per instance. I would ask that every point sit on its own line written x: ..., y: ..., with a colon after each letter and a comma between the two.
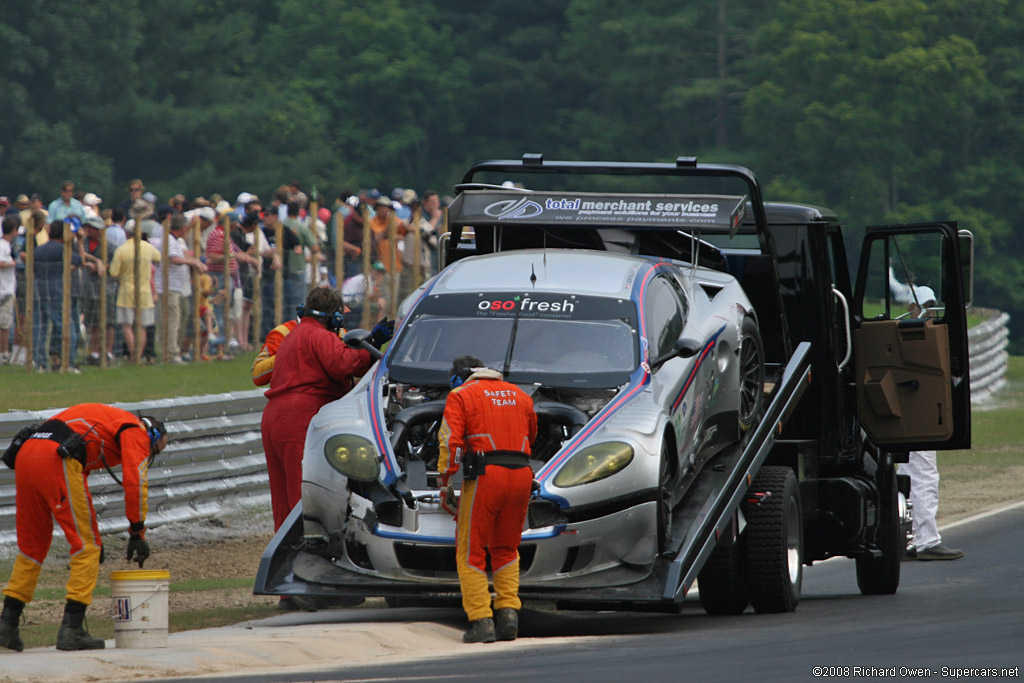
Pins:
x: 947, y: 619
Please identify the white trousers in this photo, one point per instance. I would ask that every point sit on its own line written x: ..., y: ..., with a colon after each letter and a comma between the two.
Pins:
x: 923, y: 469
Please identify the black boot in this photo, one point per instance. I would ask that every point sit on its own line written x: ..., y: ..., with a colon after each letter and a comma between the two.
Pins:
x: 480, y: 631
x: 506, y: 623
x: 9, y: 618
x: 72, y: 635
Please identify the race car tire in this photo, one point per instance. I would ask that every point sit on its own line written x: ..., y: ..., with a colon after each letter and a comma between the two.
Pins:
x: 721, y: 585
x: 751, y: 379
x: 774, y: 541
x: 881, y: 575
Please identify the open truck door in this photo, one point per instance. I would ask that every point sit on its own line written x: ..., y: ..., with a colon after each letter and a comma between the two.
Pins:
x: 910, y: 338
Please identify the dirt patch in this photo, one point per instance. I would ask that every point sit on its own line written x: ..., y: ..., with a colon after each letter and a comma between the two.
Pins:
x: 230, y: 546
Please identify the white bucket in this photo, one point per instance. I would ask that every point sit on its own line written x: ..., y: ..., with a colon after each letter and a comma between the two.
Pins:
x: 139, y: 607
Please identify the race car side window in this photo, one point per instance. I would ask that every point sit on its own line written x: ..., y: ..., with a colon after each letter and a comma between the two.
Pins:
x: 665, y: 316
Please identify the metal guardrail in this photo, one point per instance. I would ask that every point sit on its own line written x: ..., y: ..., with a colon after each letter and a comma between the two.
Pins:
x: 989, y: 357
x: 216, y: 452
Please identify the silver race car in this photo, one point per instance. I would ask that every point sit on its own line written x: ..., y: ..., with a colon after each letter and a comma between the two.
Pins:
x: 640, y: 369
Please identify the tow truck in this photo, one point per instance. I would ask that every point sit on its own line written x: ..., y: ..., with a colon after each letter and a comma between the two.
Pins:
x: 857, y: 373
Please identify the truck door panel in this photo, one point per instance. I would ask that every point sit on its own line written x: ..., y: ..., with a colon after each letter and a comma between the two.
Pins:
x: 904, y: 392
x: 910, y: 338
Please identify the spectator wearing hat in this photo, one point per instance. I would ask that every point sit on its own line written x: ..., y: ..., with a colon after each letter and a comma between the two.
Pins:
x: 352, y: 236
x: 398, y: 203
x: 122, y: 267
x: 6, y: 207
x: 99, y: 340
x: 22, y: 204
x: 356, y: 294
x: 91, y: 205
x: 35, y: 203
x: 66, y: 205
x: 242, y: 202
x: 141, y: 214
x: 382, y: 217
x: 427, y: 241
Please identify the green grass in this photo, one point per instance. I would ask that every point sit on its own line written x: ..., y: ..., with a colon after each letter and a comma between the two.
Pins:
x: 997, y: 433
x: 21, y: 390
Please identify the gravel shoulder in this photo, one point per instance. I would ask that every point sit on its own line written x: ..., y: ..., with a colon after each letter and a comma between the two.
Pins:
x: 230, y: 545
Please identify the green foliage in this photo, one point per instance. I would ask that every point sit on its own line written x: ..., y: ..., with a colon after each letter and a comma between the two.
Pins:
x: 883, y: 110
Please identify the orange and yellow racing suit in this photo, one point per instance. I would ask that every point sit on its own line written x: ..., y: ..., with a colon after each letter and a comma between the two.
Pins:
x: 49, y: 487
x: 487, y: 414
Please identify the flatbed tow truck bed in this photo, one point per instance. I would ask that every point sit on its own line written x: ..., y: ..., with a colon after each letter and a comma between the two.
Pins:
x: 697, y: 524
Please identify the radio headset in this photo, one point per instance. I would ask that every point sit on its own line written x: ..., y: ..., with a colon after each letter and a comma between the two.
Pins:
x: 334, y: 321
x: 154, y: 433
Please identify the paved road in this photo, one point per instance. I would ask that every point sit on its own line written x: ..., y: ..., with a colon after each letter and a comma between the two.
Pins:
x: 962, y: 614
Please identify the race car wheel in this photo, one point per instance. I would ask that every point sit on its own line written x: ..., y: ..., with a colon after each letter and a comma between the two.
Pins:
x: 881, y: 575
x: 751, y: 375
x: 664, y: 502
x: 721, y: 584
x: 774, y: 541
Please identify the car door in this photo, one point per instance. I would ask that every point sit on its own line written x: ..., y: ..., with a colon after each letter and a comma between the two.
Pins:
x: 910, y: 337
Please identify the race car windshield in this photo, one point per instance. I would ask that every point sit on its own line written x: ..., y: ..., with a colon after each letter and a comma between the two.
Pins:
x: 556, y: 346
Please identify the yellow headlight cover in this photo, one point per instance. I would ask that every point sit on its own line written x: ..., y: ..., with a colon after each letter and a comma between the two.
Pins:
x: 353, y: 456
x: 594, y: 463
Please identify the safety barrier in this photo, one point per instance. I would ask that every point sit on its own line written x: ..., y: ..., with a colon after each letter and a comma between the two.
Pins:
x: 215, y: 455
x: 989, y: 357
x: 216, y: 452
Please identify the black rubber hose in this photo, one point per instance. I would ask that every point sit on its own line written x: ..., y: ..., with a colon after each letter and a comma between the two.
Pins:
x: 573, y: 418
x: 430, y: 411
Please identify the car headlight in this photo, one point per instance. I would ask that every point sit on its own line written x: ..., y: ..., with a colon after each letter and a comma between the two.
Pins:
x: 353, y: 456
x: 594, y: 463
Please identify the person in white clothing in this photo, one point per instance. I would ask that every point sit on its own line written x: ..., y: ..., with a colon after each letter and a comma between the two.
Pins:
x: 8, y: 282
x: 923, y: 466
x: 178, y: 282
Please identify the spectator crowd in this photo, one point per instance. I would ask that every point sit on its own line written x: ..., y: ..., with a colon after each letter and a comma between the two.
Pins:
x: 234, y: 270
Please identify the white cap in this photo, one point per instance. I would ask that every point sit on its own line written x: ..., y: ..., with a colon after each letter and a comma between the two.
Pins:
x: 924, y: 295
x: 244, y: 198
x: 91, y: 199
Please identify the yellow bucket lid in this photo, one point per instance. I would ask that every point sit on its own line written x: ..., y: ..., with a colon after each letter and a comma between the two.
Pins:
x: 140, y: 574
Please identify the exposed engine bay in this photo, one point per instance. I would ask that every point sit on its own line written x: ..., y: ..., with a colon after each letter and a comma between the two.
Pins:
x: 414, y: 416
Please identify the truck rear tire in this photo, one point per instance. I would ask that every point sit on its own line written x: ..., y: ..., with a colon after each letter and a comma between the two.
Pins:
x: 774, y: 540
x: 881, y: 575
x: 721, y: 584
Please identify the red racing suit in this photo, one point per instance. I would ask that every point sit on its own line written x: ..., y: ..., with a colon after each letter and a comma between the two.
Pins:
x: 312, y: 368
x: 49, y: 487
x: 488, y: 414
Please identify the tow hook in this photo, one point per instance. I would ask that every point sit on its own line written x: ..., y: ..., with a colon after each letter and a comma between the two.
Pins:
x: 757, y: 498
